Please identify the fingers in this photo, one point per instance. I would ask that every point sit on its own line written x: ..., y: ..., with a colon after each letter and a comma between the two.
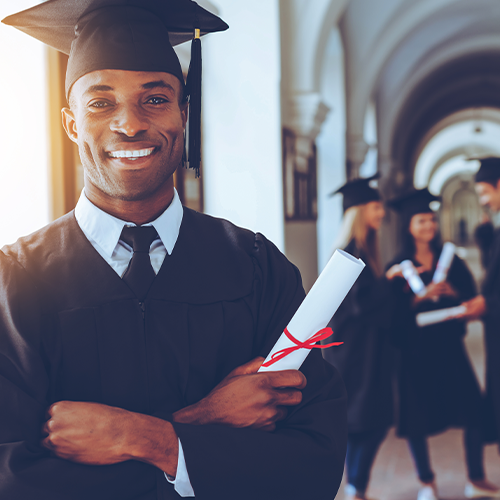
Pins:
x: 287, y: 397
x: 248, y: 368
x: 394, y: 271
x: 286, y: 378
x: 269, y: 424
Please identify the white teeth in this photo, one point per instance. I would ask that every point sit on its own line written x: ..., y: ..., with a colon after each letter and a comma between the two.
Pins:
x: 131, y: 154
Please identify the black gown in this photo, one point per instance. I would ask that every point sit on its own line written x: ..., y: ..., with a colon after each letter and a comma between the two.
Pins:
x: 365, y: 360
x: 491, y: 320
x: 437, y: 386
x: 71, y: 329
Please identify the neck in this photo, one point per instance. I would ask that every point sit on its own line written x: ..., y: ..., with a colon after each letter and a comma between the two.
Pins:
x: 422, y: 247
x: 137, y: 211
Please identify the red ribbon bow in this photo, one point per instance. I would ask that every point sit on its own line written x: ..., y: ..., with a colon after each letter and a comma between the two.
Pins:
x: 310, y: 343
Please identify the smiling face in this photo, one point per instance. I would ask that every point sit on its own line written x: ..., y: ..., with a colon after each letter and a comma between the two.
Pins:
x: 423, y: 227
x: 129, y: 129
x: 374, y: 213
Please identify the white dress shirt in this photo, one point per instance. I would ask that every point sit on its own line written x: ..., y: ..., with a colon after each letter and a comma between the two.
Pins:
x: 103, y: 232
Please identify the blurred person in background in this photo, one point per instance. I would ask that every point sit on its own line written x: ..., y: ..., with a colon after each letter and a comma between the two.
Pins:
x: 361, y: 322
x: 487, y: 305
x: 436, y: 382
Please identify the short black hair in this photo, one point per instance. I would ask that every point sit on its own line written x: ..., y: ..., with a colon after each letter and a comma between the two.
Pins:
x: 491, y: 182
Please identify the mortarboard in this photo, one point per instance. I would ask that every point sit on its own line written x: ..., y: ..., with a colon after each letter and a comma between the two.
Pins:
x: 414, y: 202
x: 134, y: 35
x: 358, y: 192
x: 489, y: 170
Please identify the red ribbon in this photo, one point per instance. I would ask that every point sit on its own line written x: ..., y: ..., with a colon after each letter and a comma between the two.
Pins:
x: 308, y: 344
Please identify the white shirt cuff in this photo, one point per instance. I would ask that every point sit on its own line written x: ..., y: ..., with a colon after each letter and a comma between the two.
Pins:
x: 181, y: 483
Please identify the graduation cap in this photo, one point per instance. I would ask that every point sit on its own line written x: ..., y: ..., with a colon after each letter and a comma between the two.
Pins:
x: 358, y: 192
x: 417, y: 201
x: 133, y: 35
x: 489, y: 170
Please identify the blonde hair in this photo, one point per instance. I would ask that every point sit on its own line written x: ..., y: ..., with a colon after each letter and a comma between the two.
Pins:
x: 354, y: 227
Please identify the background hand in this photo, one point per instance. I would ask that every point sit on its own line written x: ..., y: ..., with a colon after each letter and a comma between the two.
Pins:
x: 444, y: 289
x: 436, y: 290
x: 475, y: 308
x: 394, y: 272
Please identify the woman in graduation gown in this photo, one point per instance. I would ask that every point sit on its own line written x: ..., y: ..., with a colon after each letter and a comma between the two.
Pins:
x: 437, y: 385
x: 364, y: 360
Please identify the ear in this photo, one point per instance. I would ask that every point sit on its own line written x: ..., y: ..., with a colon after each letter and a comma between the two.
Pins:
x: 69, y: 124
x: 184, y: 113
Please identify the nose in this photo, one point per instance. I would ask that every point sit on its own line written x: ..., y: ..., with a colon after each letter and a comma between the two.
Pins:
x: 129, y: 120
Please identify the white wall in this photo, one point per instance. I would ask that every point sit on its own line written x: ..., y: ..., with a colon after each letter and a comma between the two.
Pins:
x: 331, y: 149
x: 24, y: 204
x: 241, y: 118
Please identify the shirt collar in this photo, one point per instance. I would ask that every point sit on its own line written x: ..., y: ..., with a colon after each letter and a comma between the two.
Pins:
x: 105, y: 229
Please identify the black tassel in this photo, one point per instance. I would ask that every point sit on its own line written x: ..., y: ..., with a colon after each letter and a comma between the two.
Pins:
x: 194, y: 89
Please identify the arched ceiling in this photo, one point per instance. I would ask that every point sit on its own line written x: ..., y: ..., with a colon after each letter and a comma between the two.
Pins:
x: 305, y: 28
x: 467, y: 134
x: 420, y: 61
x: 467, y: 82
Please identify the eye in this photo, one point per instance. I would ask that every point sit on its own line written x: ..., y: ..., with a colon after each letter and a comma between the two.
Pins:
x: 98, y: 104
x: 157, y: 100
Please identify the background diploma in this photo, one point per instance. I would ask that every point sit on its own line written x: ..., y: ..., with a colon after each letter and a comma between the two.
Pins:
x: 433, y: 317
x: 413, y: 278
x: 318, y: 307
x: 444, y: 263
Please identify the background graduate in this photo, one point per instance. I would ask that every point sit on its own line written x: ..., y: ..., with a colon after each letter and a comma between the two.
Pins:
x: 437, y: 385
x: 487, y: 305
x: 361, y: 322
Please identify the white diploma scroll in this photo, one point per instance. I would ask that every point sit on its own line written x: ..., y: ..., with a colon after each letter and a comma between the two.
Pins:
x: 444, y: 263
x: 438, y: 316
x: 413, y: 278
x: 317, y: 309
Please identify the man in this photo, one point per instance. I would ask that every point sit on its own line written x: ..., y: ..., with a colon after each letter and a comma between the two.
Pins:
x: 131, y: 330
x: 487, y: 305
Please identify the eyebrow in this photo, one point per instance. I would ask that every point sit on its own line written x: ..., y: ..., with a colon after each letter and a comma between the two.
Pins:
x: 158, y: 84
x: 147, y: 86
x: 98, y: 88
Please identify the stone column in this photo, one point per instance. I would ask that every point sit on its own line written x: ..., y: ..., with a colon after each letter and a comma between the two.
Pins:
x: 303, y: 117
x: 356, y: 150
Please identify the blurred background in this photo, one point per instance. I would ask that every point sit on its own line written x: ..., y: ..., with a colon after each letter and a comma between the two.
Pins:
x: 298, y: 96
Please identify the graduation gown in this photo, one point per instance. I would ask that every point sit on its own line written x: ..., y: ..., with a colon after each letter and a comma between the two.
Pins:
x: 71, y: 329
x: 484, y: 236
x: 491, y: 320
x: 437, y: 386
x: 365, y: 360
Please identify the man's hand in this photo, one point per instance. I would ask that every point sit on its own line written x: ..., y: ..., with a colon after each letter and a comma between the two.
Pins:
x: 246, y: 398
x: 96, y: 434
x: 475, y: 308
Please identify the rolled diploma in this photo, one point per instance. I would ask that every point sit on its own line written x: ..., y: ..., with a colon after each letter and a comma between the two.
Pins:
x: 438, y: 316
x: 444, y: 262
x: 412, y: 277
x: 317, y: 308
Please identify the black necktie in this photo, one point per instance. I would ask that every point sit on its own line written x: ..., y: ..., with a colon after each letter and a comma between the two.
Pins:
x: 140, y: 274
